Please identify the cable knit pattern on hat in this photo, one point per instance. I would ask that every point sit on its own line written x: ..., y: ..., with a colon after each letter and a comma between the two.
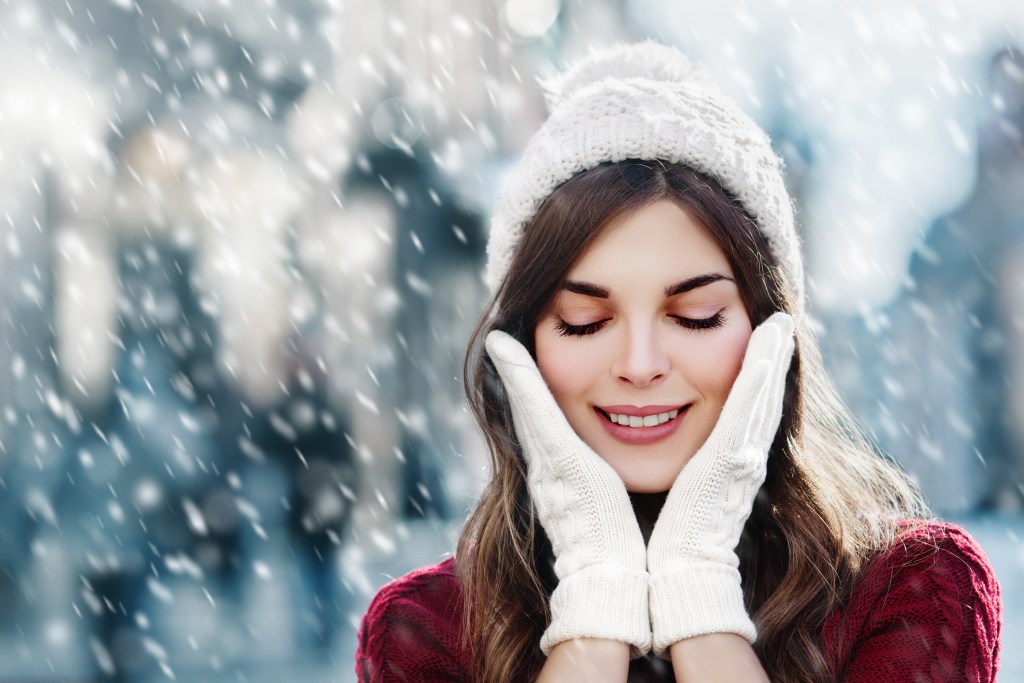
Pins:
x: 646, y: 101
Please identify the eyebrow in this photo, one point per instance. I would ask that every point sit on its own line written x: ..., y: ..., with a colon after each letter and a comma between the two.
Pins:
x: 681, y: 287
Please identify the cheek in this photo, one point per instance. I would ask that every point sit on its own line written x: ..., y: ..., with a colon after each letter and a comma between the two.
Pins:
x: 566, y: 370
x: 714, y: 367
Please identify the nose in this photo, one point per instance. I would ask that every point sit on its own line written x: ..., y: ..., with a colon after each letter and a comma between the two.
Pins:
x: 642, y: 359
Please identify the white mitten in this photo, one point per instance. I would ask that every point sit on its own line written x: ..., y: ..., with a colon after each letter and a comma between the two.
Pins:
x: 600, y: 559
x: 695, y: 579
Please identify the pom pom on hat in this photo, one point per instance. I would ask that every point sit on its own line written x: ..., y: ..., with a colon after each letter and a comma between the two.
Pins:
x: 648, y: 60
x: 646, y: 101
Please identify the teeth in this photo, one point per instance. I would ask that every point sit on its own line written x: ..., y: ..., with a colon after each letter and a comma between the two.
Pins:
x: 637, y: 421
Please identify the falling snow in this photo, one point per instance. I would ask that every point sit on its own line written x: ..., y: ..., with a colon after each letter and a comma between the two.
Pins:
x: 241, y: 257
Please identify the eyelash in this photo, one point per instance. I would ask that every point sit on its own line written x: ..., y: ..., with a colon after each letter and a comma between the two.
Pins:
x: 695, y: 324
x: 565, y: 329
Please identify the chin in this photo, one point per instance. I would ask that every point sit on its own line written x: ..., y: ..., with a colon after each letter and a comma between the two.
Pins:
x: 635, y: 484
x: 651, y: 479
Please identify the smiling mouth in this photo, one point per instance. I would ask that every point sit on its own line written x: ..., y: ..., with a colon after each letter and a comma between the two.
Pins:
x: 637, y: 422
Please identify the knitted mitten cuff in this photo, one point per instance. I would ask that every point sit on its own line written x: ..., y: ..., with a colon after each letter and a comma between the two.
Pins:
x: 697, y: 600
x: 601, y: 601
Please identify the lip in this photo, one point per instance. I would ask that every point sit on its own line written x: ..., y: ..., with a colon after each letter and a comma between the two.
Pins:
x: 642, y: 435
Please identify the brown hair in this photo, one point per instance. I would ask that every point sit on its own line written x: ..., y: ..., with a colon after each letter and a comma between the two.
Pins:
x: 829, y: 500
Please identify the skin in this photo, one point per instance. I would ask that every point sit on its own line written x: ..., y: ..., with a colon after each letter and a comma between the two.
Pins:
x: 715, y: 657
x: 642, y: 354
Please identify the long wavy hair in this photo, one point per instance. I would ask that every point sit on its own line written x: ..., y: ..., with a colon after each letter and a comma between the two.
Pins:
x: 829, y: 501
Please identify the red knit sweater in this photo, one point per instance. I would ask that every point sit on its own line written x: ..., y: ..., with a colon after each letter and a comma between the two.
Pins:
x: 928, y: 609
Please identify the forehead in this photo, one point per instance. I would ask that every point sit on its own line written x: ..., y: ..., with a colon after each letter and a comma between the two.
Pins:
x: 660, y: 241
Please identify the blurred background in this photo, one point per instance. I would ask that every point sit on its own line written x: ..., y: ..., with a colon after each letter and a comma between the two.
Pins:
x: 241, y: 251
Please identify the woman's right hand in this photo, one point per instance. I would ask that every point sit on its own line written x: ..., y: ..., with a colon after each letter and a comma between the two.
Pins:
x: 600, y: 557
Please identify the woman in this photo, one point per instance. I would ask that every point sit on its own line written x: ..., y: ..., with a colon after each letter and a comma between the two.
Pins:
x: 676, y: 491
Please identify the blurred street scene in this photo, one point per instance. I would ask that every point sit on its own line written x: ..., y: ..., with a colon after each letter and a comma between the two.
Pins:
x: 241, y: 254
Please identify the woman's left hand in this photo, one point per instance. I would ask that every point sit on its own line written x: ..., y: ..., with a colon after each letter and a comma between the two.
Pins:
x: 695, y: 584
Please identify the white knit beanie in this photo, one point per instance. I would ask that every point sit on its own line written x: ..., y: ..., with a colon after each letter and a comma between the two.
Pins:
x: 646, y: 101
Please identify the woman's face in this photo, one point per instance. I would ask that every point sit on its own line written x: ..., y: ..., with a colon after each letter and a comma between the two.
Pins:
x: 650, y: 322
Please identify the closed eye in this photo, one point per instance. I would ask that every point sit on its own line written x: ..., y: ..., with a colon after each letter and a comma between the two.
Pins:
x: 697, y: 324
x: 565, y: 329
x: 700, y: 324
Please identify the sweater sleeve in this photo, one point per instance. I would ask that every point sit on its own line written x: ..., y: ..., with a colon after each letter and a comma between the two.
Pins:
x: 411, y: 630
x: 928, y: 609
